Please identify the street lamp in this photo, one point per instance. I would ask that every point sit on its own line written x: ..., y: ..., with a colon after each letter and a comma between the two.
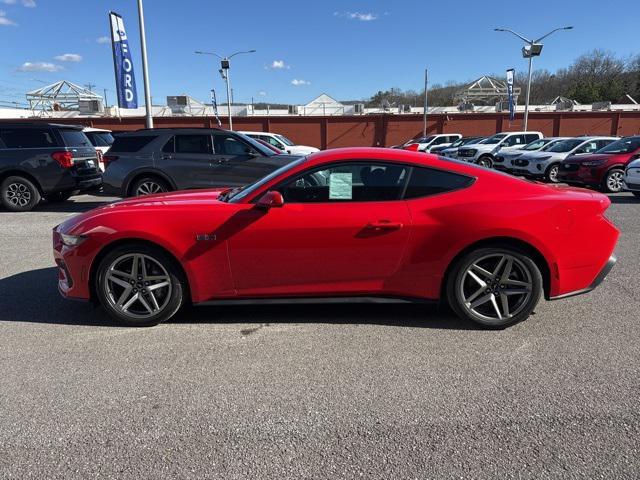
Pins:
x: 533, y: 48
x: 224, y: 72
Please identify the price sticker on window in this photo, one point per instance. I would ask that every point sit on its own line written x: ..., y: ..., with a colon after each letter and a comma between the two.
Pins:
x: 341, y: 186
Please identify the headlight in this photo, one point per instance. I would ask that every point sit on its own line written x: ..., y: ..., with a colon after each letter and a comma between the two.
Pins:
x: 594, y: 163
x: 72, y: 240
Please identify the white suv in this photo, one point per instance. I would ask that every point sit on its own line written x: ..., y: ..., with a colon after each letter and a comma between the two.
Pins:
x: 632, y: 178
x: 282, y: 142
x: 484, y: 153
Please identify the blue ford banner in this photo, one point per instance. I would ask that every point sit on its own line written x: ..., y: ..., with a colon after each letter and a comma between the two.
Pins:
x: 123, y: 66
x: 512, y: 104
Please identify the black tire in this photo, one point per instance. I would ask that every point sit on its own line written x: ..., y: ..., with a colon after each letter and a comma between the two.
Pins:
x: 460, y: 281
x: 485, y: 161
x: 612, y: 181
x: 551, y: 175
x: 58, y: 197
x: 19, y: 194
x: 175, y: 293
x: 149, y: 183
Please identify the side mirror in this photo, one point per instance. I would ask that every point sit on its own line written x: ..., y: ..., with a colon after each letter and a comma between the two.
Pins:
x: 271, y: 199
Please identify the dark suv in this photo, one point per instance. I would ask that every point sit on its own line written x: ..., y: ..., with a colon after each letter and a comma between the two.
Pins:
x: 165, y: 159
x: 44, y: 160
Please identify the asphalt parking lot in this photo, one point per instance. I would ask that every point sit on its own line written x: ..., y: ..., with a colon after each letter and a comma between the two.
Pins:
x: 340, y: 391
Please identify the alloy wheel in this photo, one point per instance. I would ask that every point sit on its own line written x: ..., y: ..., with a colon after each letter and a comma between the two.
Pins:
x: 18, y: 194
x: 553, y: 174
x: 496, y: 287
x: 614, y: 181
x: 137, y: 285
x: 149, y: 187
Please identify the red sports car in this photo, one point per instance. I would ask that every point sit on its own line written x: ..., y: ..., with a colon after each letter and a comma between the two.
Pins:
x: 363, y: 223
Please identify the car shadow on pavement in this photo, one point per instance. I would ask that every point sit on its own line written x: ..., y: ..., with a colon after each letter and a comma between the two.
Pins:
x: 624, y: 199
x: 71, y: 206
x: 32, y: 297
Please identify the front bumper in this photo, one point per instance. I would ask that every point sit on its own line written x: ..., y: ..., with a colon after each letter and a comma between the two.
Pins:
x: 72, y: 269
x: 597, y: 281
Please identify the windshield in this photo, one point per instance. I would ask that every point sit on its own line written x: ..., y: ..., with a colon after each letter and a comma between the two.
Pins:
x: 535, y: 145
x: 285, y: 140
x: 566, y: 145
x: 625, y: 145
x: 460, y: 141
x: 236, y: 195
x: 551, y: 144
x: 267, y: 152
x: 495, y: 139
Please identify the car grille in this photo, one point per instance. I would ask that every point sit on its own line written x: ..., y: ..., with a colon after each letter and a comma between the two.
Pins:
x: 521, y: 163
x: 570, y: 167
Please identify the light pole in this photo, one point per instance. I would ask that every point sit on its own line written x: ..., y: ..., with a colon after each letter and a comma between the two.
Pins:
x: 424, y: 116
x: 145, y: 68
x: 533, y: 48
x: 224, y: 71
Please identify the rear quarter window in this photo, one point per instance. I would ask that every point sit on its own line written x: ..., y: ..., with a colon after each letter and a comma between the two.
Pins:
x: 427, y: 181
x: 131, y: 143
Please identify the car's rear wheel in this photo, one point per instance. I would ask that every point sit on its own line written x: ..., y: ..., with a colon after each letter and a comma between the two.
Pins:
x: 58, y: 197
x: 140, y: 285
x: 551, y: 174
x: 494, y: 287
x: 613, y: 181
x: 485, y: 161
x: 148, y: 186
x: 19, y: 194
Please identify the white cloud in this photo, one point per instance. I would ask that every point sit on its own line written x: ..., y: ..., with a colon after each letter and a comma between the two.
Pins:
x: 361, y: 16
x: 9, y: 2
x: 29, y: 3
x: 278, y: 65
x: 39, y: 67
x: 6, y: 22
x: 262, y: 93
x: 298, y: 82
x: 103, y: 39
x: 69, y: 57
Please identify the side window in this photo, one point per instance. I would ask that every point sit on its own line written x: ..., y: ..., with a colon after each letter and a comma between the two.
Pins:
x: 530, y: 137
x: 229, y: 145
x: 170, y: 146
x: 589, y: 147
x: 427, y: 181
x: 440, y: 140
x: 130, y: 144
x: 193, y: 144
x: 352, y: 182
x: 28, y: 138
x: 275, y: 142
x: 603, y: 143
x: 510, y: 141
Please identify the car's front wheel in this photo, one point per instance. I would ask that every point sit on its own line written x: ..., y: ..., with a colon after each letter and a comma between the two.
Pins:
x: 19, y: 194
x: 494, y: 287
x: 149, y: 185
x: 485, y: 161
x: 552, y: 173
x: 140, y: 285
x: 613, y: 181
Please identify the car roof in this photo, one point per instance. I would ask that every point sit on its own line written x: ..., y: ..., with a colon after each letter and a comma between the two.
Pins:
x: 247, y: 132
x: 39, y: 125
x: 156, y: 131
x: 92, y: 129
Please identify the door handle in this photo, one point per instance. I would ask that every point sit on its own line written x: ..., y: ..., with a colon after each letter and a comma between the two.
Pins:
x: 384, y: 225
x: 222, y: 160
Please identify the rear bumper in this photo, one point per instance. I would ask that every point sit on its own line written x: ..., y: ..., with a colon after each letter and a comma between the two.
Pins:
x: 597, y: 281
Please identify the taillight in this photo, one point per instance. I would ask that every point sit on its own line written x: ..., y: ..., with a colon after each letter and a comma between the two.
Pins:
x: 107, y: 159
x: 412, y: 147
x: 65, y: 159
x: 99, y: 155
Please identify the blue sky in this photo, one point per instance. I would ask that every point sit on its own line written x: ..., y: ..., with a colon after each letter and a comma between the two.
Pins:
x: 348, y: 49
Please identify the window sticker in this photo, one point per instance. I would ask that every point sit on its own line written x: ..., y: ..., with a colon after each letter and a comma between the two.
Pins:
x: 340, y: 186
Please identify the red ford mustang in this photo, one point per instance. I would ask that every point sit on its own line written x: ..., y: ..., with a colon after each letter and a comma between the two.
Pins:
x: 365, y: 223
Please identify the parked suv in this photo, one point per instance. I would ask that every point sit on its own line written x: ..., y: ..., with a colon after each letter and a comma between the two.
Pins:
x: 281, y: 142
x: 484, y: 153
x: 44, y: 160
x: 425, y: 144
x: 545, y: 164
x: 503, y: 160
x: 603, y: 169
x: 445, y: 150
x: 165, y: 159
